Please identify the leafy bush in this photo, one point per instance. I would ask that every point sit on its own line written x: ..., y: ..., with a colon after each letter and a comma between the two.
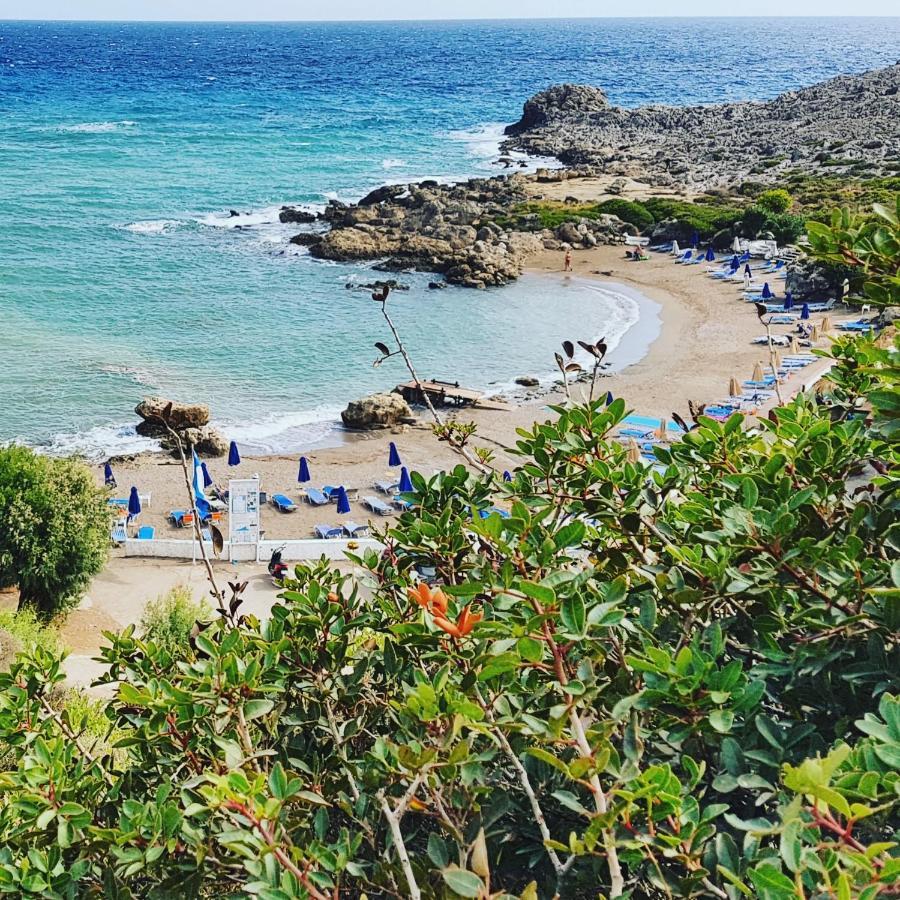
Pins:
x: 679, y: 682
x: 54, y: 528
x: 785, y: 227
x: 23, y: 630
x: 167, y: 621
x: 629, y: 211
x: 776, y: 200
x: 707, y: 218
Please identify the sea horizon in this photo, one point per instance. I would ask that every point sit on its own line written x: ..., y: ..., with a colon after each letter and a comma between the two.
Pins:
x: 128, y: 276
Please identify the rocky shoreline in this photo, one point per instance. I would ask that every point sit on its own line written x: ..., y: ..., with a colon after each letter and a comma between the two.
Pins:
x: 475, y: 235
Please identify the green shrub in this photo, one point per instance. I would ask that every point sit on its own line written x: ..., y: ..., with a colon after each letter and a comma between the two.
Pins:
x: 168, y: 620
x: 23, y: 630
x: 785, y: 227
x: 776, y: 200
x: 706, y: 218
x: 629, y: 211
x: 54, y: 528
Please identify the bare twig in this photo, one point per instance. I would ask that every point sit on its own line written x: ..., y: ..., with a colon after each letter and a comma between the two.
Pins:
x: 393, y: 817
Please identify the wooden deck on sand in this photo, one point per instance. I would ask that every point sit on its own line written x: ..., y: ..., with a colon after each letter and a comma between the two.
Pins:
x: 448, y: 393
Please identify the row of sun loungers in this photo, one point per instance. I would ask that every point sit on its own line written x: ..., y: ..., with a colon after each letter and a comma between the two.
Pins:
x: 337, y: 532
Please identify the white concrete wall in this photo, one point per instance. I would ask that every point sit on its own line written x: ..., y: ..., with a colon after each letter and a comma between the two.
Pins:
x: 293, y: 551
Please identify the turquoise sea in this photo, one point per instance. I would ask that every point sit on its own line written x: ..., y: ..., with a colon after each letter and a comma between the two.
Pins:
x: 124, y: 146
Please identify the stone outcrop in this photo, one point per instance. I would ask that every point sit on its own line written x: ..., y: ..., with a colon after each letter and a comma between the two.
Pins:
x: 449, y: 228
x: 830, y: 127
x: 179, y: 417
x: 377, y: 411
x: 189, y: 420
x: 807, y: 279
x: 298, y: 216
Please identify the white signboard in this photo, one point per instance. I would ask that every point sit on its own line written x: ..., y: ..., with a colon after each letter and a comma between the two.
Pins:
x: 243, y: 518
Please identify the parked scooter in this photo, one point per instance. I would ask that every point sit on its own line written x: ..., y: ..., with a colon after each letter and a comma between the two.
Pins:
x: 277, y: 569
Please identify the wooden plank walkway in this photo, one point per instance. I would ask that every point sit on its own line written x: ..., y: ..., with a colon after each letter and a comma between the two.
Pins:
x: 447, y: 393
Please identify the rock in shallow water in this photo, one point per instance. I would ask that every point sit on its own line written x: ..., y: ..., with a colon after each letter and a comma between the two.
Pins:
x: 376, y: 411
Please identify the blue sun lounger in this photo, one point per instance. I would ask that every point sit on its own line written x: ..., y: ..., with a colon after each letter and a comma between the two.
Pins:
x: 117, y: 534
x: 386, y: 487
x: 352, y: 530
x: 146, y: 533
x: 283, y: 504
x: 374, y: 504
x: 316, y: 497
x: 328, y: 532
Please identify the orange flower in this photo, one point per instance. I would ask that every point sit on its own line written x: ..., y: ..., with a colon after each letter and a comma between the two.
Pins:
x: 428, y: 599
x: 447, y: 626
x: 468, y: 620
x: 420, y: 594
x: 465, y: 622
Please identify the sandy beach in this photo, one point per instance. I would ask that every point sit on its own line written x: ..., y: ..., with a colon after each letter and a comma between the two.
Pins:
x: 694, y: 335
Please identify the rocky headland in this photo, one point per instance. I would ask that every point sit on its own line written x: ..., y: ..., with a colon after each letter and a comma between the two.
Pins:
x: 476, y: 234
x: 849, y: 122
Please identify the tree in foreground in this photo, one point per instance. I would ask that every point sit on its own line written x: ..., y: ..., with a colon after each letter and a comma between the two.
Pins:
x: 678, y: 681
x: 54, y: 528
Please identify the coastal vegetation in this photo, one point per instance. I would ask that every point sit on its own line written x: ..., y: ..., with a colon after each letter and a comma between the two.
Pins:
x: 678, y: 681
x: 54, y: 529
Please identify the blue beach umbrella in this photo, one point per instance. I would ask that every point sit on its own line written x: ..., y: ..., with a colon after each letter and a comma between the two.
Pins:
x: 804, y: 312
x: 406, y: 485
x: 710, y: 255
x: 108, y: 476
x: 735, y: 264
x: 234, y: 458
x: 609, y: 398
x: 695, y: 239
x: 207, y: 478
x: 134, y: 503
x: 766, y: 292
x: 303, y: 475
x: 788, y: 300
x: 343, y: 501
x: 393, y: 455
x: 747, y: 270
x: 506, y: 475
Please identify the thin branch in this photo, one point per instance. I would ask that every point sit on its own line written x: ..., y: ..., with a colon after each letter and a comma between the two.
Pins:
x: 393, y: 820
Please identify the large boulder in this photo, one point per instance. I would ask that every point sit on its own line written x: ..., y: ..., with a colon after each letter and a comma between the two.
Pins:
x: 383, y: 194
x: 206, y: 440
x: 376, y: 411
x: 808, y: 279
x: 559, y: 101
x: 297, y: 216
x: 179, y: 417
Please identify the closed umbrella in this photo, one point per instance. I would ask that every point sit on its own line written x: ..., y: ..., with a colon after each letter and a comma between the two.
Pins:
x: 826, y: 323
x: 815, y: 333
x: 734, y: 387
x: 234, y: 458
x: 695, y: 239
x: 777, y: 356
x: 758, y: 372
x: 736, y: 245
x: 343, y: 501
x: 661, y: 431
x: 303, y: 475
x: 735, y: 264
x: 108, y: 476
x: 748, y: 272
x: 675, y: 248
x: 710, y: 255
x: 406, y: 485
x: 795, y: 347
x: 788, y: 300
x: 134, y: 503
x: 207, y: 478
x: 609, y: 398
x: 393, y: 455
x: 766, y: 291
x: 506, y: 475
x: 804, y: 312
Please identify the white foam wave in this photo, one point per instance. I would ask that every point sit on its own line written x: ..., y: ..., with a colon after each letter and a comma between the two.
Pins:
x: 95, y: 127
x: 152, y: 226
x: 98, y: 443
x: 484, y: 146
x: 392, y: 163
x: 284, y: 432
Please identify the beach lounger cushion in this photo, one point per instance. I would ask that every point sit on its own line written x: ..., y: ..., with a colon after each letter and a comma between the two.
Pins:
x: 328, y: 532
x: 353, y: 530
x: 146, y: 533
x: 316, y: 497
x: 283, y: 503
x: 377, y: 506
x: 387, y: 487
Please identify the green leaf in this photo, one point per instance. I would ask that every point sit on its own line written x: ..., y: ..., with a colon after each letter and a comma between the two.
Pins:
x: 548, y: 758
x: 540, y: 592
x: 278, y: 781
x: 721, y: 720
x: 771, y: 883
x: 462, y: 882
x: 648, y: 612
x: 438, y: 852
x: 572, y: 614
x: 253, y: 709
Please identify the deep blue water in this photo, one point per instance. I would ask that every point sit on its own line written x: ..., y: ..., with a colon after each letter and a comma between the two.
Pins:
x: 123, y: 146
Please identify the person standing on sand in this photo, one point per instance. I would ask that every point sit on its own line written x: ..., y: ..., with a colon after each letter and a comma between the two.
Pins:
x: 567, y: 261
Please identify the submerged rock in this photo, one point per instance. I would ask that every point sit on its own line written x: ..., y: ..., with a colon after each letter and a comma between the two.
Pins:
x: 376, y: 411
x: 298, y: 216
